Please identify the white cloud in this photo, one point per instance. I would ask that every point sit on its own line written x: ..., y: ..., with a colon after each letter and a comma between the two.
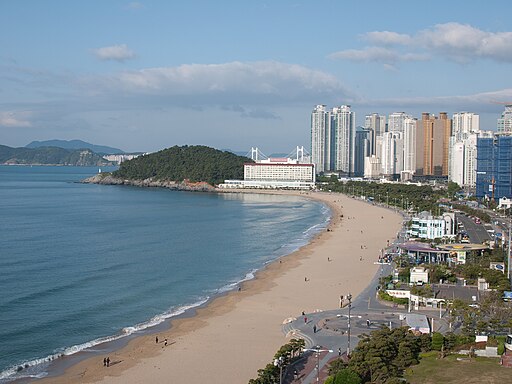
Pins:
x: 464, y: 43
x: 377, y: 54
x: 14, y: 120
x: 477, y: 102
x: 457, y: 42
x: 229, y: 83
x: 461, y: 43
x: 114, y: 52
x: 387, y: 38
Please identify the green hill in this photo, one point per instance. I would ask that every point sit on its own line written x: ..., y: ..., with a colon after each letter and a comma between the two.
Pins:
x: 50, y: 156
x: 196, y: 163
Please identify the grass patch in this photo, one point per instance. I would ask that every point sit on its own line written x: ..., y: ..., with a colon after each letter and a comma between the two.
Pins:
x: 457, y: 369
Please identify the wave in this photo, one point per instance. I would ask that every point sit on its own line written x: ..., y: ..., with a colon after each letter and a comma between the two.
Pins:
x: 37, y: 368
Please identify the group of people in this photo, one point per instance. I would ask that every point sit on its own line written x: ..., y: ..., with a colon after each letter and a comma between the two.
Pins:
x: 106, y: 361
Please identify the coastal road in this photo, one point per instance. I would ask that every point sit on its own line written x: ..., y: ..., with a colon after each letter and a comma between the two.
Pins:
x: 476, y: 232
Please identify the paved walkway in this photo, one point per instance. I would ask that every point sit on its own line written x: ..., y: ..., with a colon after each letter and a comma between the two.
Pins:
x: 328, y: 330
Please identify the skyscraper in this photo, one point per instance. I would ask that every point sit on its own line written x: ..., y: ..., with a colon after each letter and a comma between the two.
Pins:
x: 362, y: 149
x: 392, y: 153
x: 505, y: 121
x: 409, y: 140
x: 343, y: 125
x: 494, y: 166
x: 465, y: 123
x: 320, y: 138
x: 463, y: 149
x: 432, y: 145
x: 377, y: 124
x: 333, y: 139
x: 396, y: 121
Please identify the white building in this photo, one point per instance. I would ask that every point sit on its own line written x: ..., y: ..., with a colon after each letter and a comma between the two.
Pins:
x: 462, y: 152
x: 344, y: 129
x: 505, y: 121
x: 321, y: 138
x: 418, y: 275
x: 333, y: 138
x: 396, y: 121
x: 377, y: 124
x: 425, y: 226
x: 275, y: 173
x: 372, y: 167
x: 392, y: 152
x: 464, y: 123
x: 462, y: 160
x: 409, y: 140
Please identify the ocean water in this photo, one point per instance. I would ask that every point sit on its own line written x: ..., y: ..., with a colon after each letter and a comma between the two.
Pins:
x: 83, y: 264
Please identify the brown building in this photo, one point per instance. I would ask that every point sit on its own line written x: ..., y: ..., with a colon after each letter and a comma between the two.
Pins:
x: 432, y: 144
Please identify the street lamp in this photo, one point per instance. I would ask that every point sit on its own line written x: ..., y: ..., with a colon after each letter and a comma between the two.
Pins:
x: 349, y: 297
x: 317, y: 351
x: 279, y: 363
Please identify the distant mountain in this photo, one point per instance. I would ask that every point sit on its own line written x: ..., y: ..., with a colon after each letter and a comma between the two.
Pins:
x: 75, y: 144
x: 238, y: 153
x: 50, y: 156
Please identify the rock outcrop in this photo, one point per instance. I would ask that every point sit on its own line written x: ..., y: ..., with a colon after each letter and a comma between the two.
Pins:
x: 185, y: 185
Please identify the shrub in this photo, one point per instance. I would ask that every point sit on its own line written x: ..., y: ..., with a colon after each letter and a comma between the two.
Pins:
x: 437, y: 341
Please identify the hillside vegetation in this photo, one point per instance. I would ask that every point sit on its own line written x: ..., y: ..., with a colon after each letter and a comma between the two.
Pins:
x: 50, y: 156
x: 195, y: 163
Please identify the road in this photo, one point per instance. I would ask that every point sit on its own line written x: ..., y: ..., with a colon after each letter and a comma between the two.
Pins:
x: 476, y: 232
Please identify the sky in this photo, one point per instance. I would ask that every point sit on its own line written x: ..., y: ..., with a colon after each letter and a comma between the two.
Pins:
x: 148, y: 75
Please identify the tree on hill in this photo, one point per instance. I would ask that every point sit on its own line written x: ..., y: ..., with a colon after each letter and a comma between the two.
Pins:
x: 195, y: 163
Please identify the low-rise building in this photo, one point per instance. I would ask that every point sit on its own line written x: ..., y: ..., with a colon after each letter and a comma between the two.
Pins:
x: 418, y: 275
x: 426, y: 226
x: 275, y: 173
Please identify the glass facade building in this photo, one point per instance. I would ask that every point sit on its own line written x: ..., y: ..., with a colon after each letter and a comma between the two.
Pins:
x: 494, y: 167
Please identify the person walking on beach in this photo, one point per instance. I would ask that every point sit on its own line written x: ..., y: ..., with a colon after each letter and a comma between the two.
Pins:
x: 165, y: 342
x: 108, y: 361
x: 305, y: 319
x: 156, y: 340
x: 104, y: 361
x: 314, y: 328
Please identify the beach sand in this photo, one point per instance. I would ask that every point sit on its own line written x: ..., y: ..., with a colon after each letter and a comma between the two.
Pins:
x: 235, y: 335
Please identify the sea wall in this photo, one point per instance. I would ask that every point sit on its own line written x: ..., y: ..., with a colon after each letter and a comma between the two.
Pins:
x: 185, y: 185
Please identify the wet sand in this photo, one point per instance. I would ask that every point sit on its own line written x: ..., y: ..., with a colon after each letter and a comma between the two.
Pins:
x: 232, y: 337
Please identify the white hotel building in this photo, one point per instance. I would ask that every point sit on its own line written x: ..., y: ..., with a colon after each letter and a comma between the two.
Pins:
x: 275, y: 173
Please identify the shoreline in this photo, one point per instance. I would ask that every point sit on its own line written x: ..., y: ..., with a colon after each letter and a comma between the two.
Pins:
x: 227, y: 322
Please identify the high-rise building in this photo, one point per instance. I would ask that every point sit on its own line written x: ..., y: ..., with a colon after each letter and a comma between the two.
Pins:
x: 321, y: 138
x: 333, y: 139
x: 396, y: 121
x: 409, y: 139
x: 362, y: 149
x: 432, y: 145
x: 392, y: 153
x: 344, y: 130
x: 505, y: 121
x: 465, y: 123
x: 377, y: 124
x: 494, y: 166
x: 463, y: 150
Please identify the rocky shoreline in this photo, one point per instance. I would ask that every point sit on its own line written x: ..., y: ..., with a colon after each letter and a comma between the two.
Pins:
x: 185, y: 185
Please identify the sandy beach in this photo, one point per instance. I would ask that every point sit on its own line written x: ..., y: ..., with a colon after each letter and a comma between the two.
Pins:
x: 237, y: 334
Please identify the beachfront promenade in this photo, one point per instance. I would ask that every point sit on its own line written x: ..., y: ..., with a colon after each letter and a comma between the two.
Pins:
x: 327, y: 331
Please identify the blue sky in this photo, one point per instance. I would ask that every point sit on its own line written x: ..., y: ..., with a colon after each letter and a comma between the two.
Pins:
x: 147, y: 75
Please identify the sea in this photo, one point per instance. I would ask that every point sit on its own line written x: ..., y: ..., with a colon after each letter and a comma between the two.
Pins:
x: 84, y: 265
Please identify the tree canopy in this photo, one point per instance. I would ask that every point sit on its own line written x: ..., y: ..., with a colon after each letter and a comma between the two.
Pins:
x: 195, y: 163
